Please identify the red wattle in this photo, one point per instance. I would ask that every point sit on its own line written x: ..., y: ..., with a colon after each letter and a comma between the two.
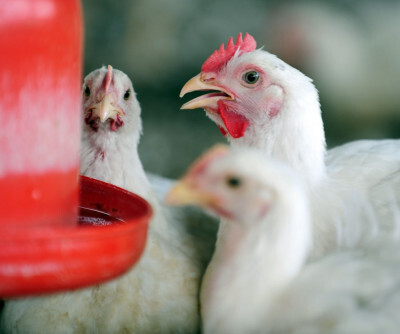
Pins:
x: 235, y: 123
x: 222, y: 130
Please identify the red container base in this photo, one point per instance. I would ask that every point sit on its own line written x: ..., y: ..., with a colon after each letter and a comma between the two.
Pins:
x: 107, y: 240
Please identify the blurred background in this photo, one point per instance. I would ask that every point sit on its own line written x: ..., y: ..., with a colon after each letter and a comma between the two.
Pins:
x: 350, y: 48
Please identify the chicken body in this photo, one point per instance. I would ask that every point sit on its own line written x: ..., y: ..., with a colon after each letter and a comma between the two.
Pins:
x: 264, y: 103
x: 160, y: 293
x: 258, y: 280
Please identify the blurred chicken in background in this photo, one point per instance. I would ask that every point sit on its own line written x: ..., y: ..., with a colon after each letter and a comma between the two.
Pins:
x: 353, y: 53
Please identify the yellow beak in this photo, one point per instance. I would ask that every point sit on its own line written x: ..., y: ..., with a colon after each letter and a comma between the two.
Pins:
x: 197, y: 83
x: 105, y: 109
x: 183, y: 193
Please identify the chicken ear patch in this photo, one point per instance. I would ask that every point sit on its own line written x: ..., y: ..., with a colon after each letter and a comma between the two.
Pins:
x: 275, y: 101
x: 235, y: 123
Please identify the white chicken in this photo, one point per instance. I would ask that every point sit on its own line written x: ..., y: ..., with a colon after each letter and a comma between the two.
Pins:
x: 262, y: 102
x: 160, y: 294
x: 258, y: 280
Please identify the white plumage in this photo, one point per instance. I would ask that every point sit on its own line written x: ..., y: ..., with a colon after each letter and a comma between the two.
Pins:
x: 258, y: 280
x: 281, y: 115
x: 160, y: 294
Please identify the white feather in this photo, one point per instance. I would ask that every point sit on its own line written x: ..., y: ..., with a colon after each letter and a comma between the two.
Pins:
x: 342, y: 180
x: 160, y: 294
x: 259, y: 280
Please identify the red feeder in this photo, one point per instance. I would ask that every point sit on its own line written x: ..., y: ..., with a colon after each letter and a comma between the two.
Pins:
x: 42, y: 246
x: 108, y: 240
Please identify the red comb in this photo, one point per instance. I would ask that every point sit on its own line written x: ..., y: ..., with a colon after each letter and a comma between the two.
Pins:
x: 108, y: 78
x: 222, y: 56
x: 198, y: 167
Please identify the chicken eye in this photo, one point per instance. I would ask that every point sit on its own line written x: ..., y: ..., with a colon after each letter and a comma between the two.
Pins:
x: 87, y: 91
x: 251, y: 77
x: 233, y: 182
x: 127, y: 94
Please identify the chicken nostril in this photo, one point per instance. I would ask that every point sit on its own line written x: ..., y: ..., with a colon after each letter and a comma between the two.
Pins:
x: 207, y: 77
